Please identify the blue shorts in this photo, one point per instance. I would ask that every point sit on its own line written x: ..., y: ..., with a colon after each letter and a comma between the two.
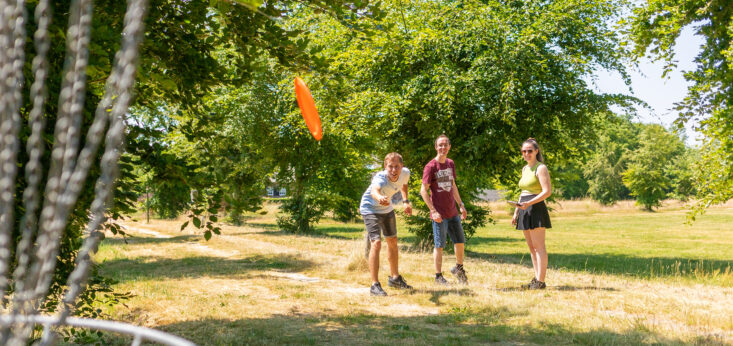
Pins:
x: 450, y: 226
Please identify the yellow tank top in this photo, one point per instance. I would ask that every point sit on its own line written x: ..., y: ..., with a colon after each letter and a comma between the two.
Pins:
x: 529, y: 183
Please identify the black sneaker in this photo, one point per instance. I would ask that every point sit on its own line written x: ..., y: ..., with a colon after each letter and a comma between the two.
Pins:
x: 440, y: 280
x: 376, y: 290
x: 530, y: 284
x: 537, y: 285
x: 398, y: 282
x: 460, y: 274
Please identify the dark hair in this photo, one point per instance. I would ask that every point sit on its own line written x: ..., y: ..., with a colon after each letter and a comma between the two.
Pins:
x: 441, y: 136
x: 536, y: 146
x: 392, y: 156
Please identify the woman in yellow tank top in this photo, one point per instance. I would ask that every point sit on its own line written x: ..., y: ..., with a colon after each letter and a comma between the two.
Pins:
x: 531, y: 215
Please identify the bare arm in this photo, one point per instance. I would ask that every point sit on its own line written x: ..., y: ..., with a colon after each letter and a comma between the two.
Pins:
x: 378, y: 196
x: 543, y: 174
x: 426, y: 197
x: 457, y: 197
x: 408, y: 205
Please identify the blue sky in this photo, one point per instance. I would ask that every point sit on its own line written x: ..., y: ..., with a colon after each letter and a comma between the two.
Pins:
x: 648, y: 85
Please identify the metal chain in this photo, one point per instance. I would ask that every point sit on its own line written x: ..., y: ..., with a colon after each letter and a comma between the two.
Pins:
x: 12, y: 36
x: 34, y: 147
x: 33, y: 168
x: 69, y: 167
x: 55, y: 209
x: 126, y: 62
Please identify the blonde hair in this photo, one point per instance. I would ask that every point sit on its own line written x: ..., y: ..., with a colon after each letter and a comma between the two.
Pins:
x: 391, y: 156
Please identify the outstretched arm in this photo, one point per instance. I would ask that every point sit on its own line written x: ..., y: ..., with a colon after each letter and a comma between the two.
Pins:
x: 378, y: 196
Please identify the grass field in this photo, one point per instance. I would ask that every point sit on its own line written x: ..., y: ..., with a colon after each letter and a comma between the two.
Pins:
x: 617, y: 275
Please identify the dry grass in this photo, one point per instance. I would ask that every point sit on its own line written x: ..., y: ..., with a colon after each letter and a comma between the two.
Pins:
x: 257, y: 285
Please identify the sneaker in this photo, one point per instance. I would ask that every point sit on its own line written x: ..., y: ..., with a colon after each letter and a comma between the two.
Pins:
x: 460, y: 274
x: 398, y: 282
x: 440, y: 280
x: 530, y: 284
x: 376, y: 290
x: 537, y: 285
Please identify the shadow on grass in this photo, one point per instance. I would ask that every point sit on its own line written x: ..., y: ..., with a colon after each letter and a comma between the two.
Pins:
x: 191, y: 267
x: 559, y: 288
x: 458, y: 326
x: 436, y: 294
x: 260, y: 225
x: 618, y: 264
x: 151, y: 240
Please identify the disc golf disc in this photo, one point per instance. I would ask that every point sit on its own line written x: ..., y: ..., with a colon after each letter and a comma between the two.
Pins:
x: 308, y: 108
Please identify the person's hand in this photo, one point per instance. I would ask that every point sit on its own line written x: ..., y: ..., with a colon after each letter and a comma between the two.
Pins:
x: 464, y: 214
x: 435, y: 215
x: 523, y: 206
x: 383, y: 200
x: 408, y: 208
x: 514, y: 220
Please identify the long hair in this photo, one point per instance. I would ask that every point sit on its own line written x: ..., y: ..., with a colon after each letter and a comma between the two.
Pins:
x: 536, y: 146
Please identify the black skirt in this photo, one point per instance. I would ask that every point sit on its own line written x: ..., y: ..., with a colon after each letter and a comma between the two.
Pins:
x: 536, y: 215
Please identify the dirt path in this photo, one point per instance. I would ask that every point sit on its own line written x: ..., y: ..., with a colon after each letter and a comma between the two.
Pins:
x: 333, y: 286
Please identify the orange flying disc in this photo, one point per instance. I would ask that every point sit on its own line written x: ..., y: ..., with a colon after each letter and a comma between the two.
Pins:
x: 308, y: 108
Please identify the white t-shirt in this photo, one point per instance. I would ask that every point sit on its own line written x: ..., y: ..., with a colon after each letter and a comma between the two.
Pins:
x: 388, y: 188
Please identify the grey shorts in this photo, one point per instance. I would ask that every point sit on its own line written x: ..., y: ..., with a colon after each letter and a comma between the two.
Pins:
x: 380, y: 224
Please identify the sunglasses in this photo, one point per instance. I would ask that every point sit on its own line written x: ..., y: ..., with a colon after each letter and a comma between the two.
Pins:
x: 528, y: 151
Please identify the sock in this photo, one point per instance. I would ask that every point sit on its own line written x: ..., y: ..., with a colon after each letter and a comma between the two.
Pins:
x: 437, y: 275
x: 459, y: 266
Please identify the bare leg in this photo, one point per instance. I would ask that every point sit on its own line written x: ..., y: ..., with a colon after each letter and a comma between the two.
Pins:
x: 438, y: 256
x: 532, y: 252
x: 459, y: 252
x: 392, y: 256
x: 374, y: 260
x: 538, y: 239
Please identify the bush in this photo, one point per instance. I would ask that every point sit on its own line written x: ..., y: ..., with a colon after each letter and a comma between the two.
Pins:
x: 421, y: 225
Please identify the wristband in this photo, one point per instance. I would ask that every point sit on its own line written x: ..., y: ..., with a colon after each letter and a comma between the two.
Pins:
x: 407, y: 201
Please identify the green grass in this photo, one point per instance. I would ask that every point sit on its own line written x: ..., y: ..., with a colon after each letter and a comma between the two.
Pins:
x: 640, y: 244
x: 616, y: 276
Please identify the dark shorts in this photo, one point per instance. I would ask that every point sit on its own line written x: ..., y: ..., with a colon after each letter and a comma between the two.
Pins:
x: 536, y: 215
x: 380, y: 224
x: 452, y: 227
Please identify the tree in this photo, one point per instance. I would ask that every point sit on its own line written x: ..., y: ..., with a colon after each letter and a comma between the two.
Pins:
x: 607, y: 159
x: 652, y: 31
x: 489, y: 74
x: 177, y: 67
x: 646, y: 176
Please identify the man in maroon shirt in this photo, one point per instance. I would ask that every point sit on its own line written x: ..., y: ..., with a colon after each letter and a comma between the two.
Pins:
x: 438, y: 177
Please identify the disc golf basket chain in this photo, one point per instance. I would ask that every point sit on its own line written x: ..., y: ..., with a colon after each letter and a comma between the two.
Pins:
x: 46, y: 213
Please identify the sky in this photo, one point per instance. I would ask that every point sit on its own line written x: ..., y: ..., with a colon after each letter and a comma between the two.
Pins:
x: 648, y: 84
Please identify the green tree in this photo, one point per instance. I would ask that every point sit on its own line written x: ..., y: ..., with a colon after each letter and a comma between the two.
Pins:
x: 489, y: 74
x: 653, y: 30
x: 607, y: 159
x: 646, y: 176
x: 177, y: 68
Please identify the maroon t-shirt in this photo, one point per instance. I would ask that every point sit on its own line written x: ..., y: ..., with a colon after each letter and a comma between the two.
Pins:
x: 440, y: 176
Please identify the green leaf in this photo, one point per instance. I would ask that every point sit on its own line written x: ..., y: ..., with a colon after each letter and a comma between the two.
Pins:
x: 197, y: 222
x: 207, y: 235
x: 185, y: 224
